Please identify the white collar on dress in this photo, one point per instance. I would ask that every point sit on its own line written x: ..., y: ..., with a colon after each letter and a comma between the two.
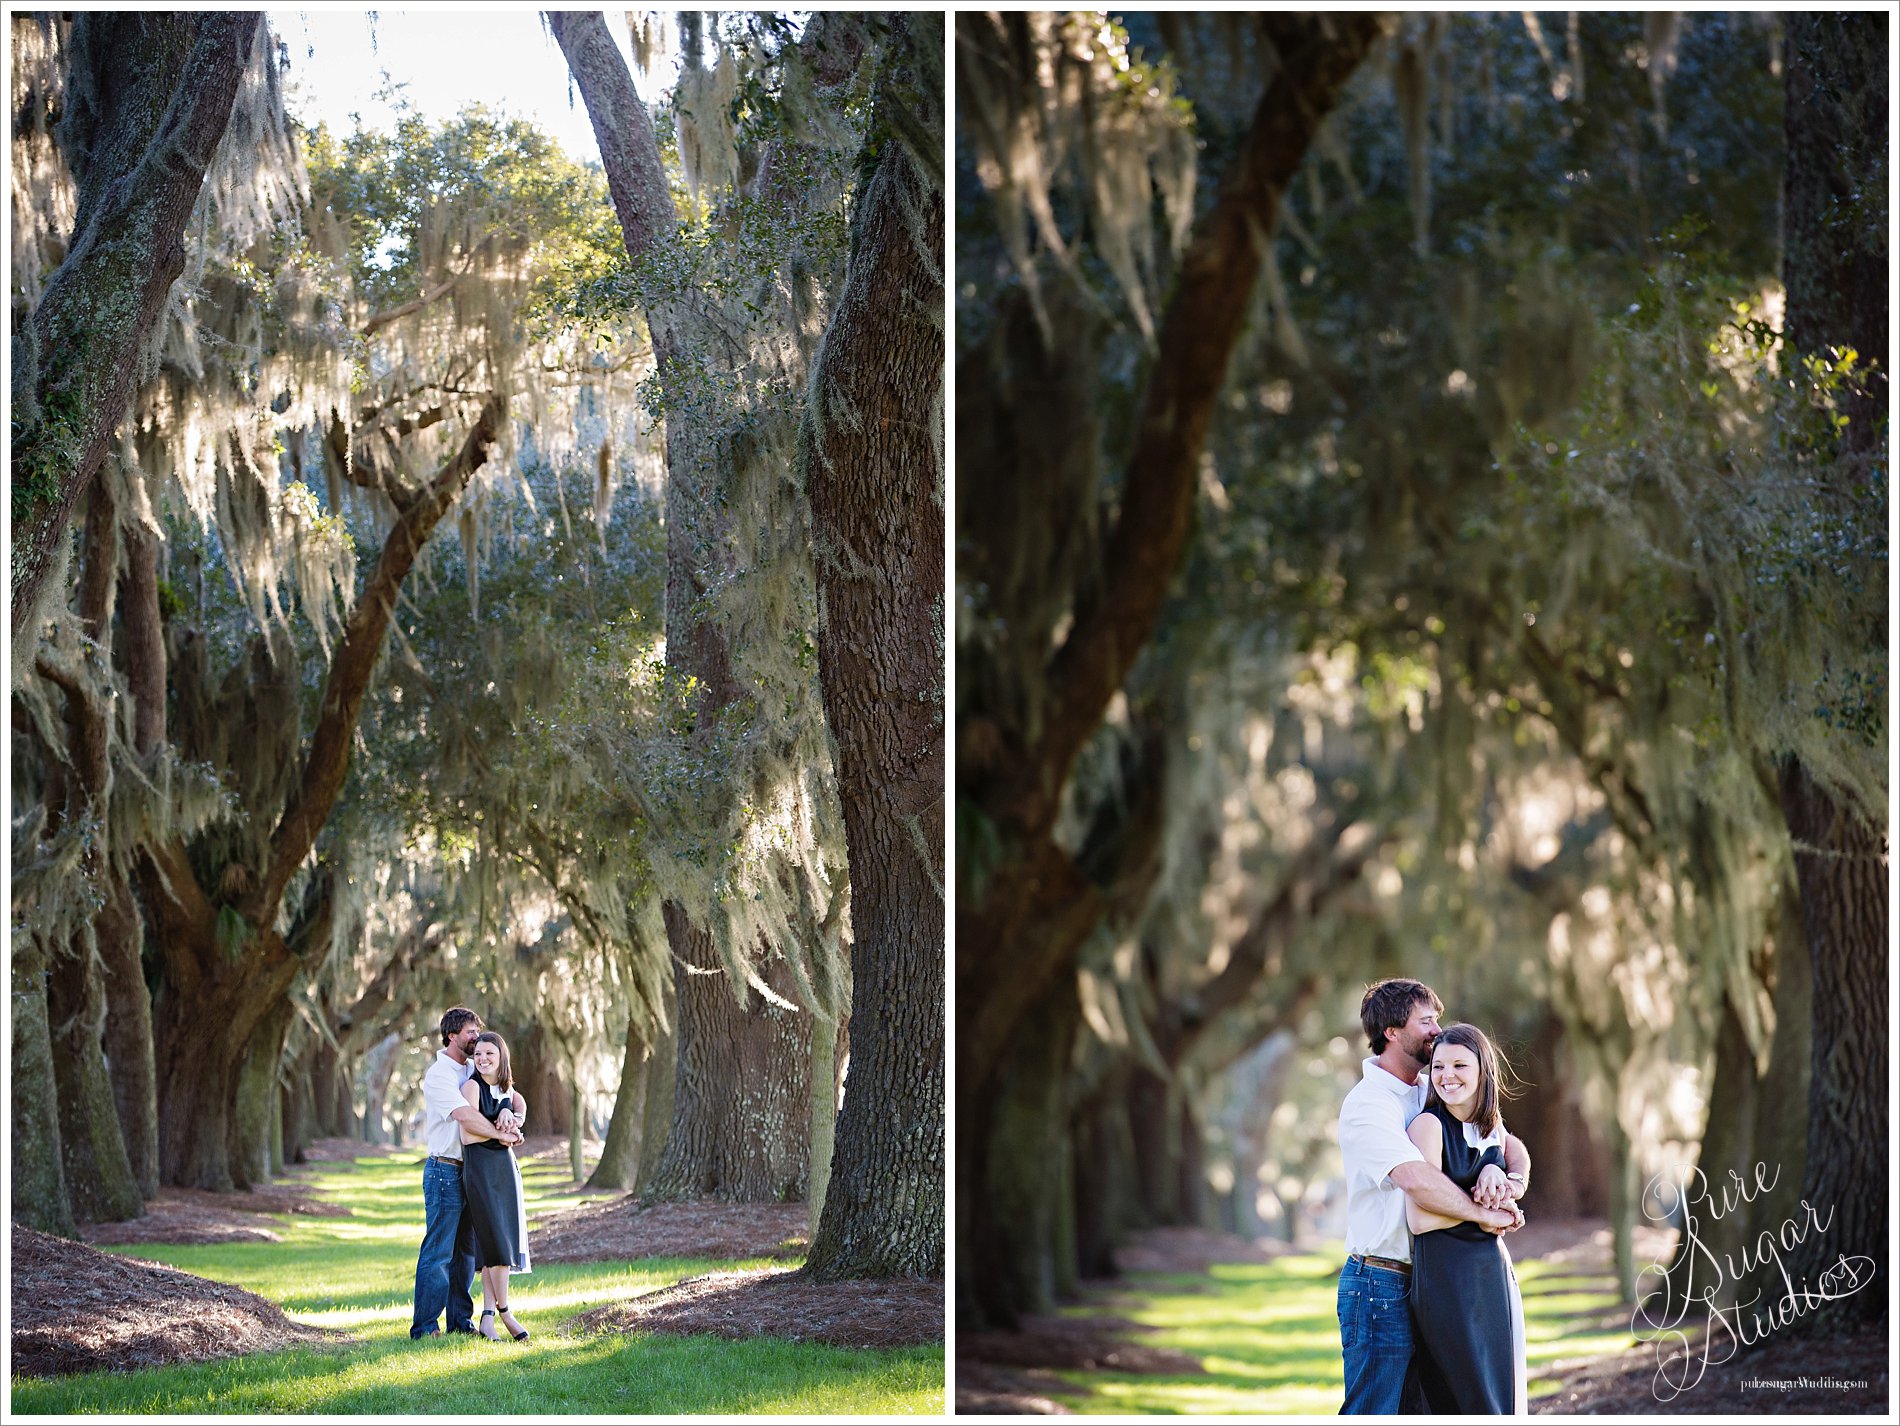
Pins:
x: 1495, y: 1139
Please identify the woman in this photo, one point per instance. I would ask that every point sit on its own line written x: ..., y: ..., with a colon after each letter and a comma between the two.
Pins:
x: 491, y: 1186
x: 1468, y: 1320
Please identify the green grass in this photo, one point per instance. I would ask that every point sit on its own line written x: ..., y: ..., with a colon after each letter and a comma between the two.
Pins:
x: 356, y: 1274
x: 1268, y: 1336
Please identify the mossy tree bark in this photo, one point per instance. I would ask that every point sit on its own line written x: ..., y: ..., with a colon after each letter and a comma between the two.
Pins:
x: 99, y: 1175
x: 39, y: 1177
x: 98, y: 1172
x: 138, y: 648
x: 147, y: 103
x: 226, y: 968
x: 741, y: 1087
x: 1835, y: 268
x: 1023, y: 921
x: 873, y: 472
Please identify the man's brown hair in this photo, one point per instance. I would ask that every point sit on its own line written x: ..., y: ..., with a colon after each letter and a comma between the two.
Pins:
x: 455, y: 1020
x: 1388, y: 1003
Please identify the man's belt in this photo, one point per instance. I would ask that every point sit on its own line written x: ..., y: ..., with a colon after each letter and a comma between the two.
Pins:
x: 1389, y: 1264
x: 444, y: 1159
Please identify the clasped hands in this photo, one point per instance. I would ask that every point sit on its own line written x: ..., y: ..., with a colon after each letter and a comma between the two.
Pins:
x: 510, y: 1127
x: 1493, y: 1191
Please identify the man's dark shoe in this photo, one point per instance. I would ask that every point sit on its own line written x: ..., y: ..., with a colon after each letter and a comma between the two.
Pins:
x: 424, y: 1336
x: 464, y: 1331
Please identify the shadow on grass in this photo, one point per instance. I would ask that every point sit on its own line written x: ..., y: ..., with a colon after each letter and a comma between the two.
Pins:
x: 548, y: 1375
x: 357, y: 1273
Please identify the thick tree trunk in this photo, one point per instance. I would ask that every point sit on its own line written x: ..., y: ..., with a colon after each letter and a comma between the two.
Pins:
x: 1835, y: 268
x: 656, y: 1113
x: 251, y: 1121
x: 294, y: 1114
x: 98, y: 1172
x: 379, y: 1065
x: 203, y: 1097
x: 741, y: 1088
x: 39, y: 1179
x: 824, y: 1118
x: 539, y: 1078
x: 874, y: 475
x: 1151, y: 1118
x: 1781, y: 1098
x: 127, y: 1037
x: 1728, y: 1146
x: 1841, y: 860
x: 332, y: 1108
x: 1570, y: 1175
x: 1014, y: 1173
x: 1105, y: 1167
x: 139, y: 651
x: 99, y: 1176
x: 140, y: 128
x: 619, y: 1165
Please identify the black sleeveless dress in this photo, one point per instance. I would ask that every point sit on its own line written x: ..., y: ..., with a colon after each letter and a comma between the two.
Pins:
x: 1464, y: 1341
x: 491, y: 1192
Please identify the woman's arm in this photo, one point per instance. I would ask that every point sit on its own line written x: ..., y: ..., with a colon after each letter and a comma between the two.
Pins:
x: 473, y: 1099
x: 1430, y: 1138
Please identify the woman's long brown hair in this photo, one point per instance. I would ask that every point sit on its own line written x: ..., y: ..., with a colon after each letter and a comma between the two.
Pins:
x: 1492, y: 1068
x: 504, y: 1076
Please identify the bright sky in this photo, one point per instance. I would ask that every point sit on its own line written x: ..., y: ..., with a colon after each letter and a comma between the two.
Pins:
x: 448, y: 57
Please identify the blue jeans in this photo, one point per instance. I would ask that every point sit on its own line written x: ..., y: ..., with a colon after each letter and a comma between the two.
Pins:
x: 1375, y: 1332
x: 446, y: 1264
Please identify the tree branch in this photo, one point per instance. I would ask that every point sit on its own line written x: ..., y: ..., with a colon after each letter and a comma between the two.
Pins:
x: 75, y: 364
x: 355, y: 659
x: 1197, y: 338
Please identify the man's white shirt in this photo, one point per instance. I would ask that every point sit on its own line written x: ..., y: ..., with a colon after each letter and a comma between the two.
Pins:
x: 441, y: 1097
x: 1373, y: 1142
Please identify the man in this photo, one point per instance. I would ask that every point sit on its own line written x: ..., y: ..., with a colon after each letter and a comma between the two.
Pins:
x: 446, y: 1264
x: 1383, y: 1169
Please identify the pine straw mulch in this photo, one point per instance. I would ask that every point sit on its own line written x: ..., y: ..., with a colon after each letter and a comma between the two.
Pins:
x: 1013, y: 1373
x: 75, y: 1309
x: 782, y: 1303
x: 196, y: 1215
x: 769, y: 1302
x: 1625, y: 1384
x: 620, y: 1230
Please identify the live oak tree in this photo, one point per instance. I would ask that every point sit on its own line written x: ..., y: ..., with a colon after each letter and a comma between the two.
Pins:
x: 1025, y: 913
x: 743, y: 1066
x: 241, y: 353
x: 1438, y: 480
x: 1836, y: 269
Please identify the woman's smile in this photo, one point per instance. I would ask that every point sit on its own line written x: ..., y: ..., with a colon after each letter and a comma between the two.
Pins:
x: 1456, y: 1080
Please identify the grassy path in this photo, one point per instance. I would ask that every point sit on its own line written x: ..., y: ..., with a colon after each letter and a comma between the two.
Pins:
x: 1268, y: 1336
x: 356, y: 1273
